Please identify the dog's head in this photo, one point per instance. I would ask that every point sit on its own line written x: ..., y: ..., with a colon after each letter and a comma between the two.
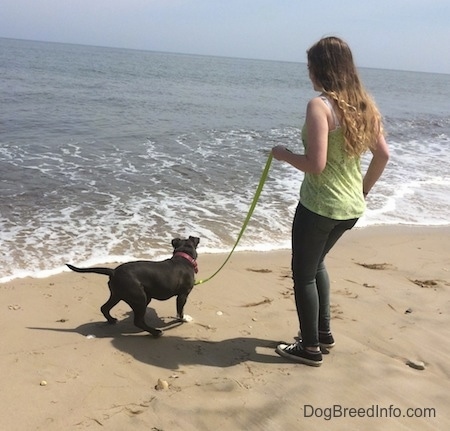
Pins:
x: 188, y: 246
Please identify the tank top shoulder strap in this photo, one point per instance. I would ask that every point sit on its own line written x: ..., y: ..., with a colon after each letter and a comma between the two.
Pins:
x: 335, y: 118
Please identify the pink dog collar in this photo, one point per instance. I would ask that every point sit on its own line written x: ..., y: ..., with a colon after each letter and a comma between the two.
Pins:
x: 189, y: 258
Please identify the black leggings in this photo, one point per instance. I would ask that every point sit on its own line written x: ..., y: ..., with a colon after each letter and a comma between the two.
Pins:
x: 313, y: 236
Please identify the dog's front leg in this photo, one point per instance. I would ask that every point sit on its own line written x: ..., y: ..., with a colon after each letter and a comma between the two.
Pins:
x: 181, y: 301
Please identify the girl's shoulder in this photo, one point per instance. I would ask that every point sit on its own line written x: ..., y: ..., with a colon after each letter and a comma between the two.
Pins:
x: 323, y: 106
x: 316, y: 105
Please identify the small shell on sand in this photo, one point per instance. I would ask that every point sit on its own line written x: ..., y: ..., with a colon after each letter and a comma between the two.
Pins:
x: 43, y: 383
x: 162, y: 385
x: 417, y: 365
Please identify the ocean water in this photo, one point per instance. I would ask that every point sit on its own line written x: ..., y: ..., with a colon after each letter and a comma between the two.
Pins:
x: 107, y: 154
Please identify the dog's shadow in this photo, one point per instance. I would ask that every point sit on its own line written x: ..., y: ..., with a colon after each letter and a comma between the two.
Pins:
x: 172, y: 351
x: 124, y: 326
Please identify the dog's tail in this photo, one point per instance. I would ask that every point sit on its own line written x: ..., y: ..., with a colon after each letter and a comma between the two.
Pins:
x: 104, y: 271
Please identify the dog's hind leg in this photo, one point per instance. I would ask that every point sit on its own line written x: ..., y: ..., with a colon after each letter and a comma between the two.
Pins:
x: 106, y: 308
x: 139, y: 308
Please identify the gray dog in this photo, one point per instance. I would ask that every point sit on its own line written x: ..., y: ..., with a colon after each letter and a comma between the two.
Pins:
x: 137, y: 283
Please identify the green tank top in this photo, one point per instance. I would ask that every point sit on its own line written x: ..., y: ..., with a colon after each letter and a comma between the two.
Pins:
x: 337, y: 192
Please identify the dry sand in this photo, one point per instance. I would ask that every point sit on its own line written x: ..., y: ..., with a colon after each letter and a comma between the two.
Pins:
x: 63, y: 368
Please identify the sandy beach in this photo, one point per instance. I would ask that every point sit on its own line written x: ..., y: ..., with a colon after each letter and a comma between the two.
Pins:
x: 62, y: 367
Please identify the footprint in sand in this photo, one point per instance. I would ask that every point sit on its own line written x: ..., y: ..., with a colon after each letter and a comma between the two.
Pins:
x: 262, y: 270
x: 336, y: 311
x: 377, y: 266
x: 286, y: 273
x: 427, y: 284
x: 347, y: 292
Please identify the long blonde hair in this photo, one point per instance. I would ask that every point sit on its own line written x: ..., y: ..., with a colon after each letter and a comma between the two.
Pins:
x: 331, y: 66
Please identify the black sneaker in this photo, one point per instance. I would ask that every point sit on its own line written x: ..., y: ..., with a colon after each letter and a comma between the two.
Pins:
x: 326, y: 340
x: 296, y: 352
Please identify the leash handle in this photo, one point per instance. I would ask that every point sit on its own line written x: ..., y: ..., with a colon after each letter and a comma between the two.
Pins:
x: 247, y: 219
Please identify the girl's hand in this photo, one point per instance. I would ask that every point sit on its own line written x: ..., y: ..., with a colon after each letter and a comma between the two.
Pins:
x: 279, y: 152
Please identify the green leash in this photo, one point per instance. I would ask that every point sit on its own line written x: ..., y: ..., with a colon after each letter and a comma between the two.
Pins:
x: 247, y: 219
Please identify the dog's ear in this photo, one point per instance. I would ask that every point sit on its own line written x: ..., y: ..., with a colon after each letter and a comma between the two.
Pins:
x: 176, y: 243
x: 194, y: 240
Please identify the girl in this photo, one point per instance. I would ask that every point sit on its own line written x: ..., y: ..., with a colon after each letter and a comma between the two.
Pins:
x: 341, y: 124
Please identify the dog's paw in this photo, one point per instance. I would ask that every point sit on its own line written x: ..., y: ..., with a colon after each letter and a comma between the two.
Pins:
x: 186, y: 318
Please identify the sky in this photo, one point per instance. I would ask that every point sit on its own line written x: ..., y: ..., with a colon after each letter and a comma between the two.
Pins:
x: 386, y: 34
